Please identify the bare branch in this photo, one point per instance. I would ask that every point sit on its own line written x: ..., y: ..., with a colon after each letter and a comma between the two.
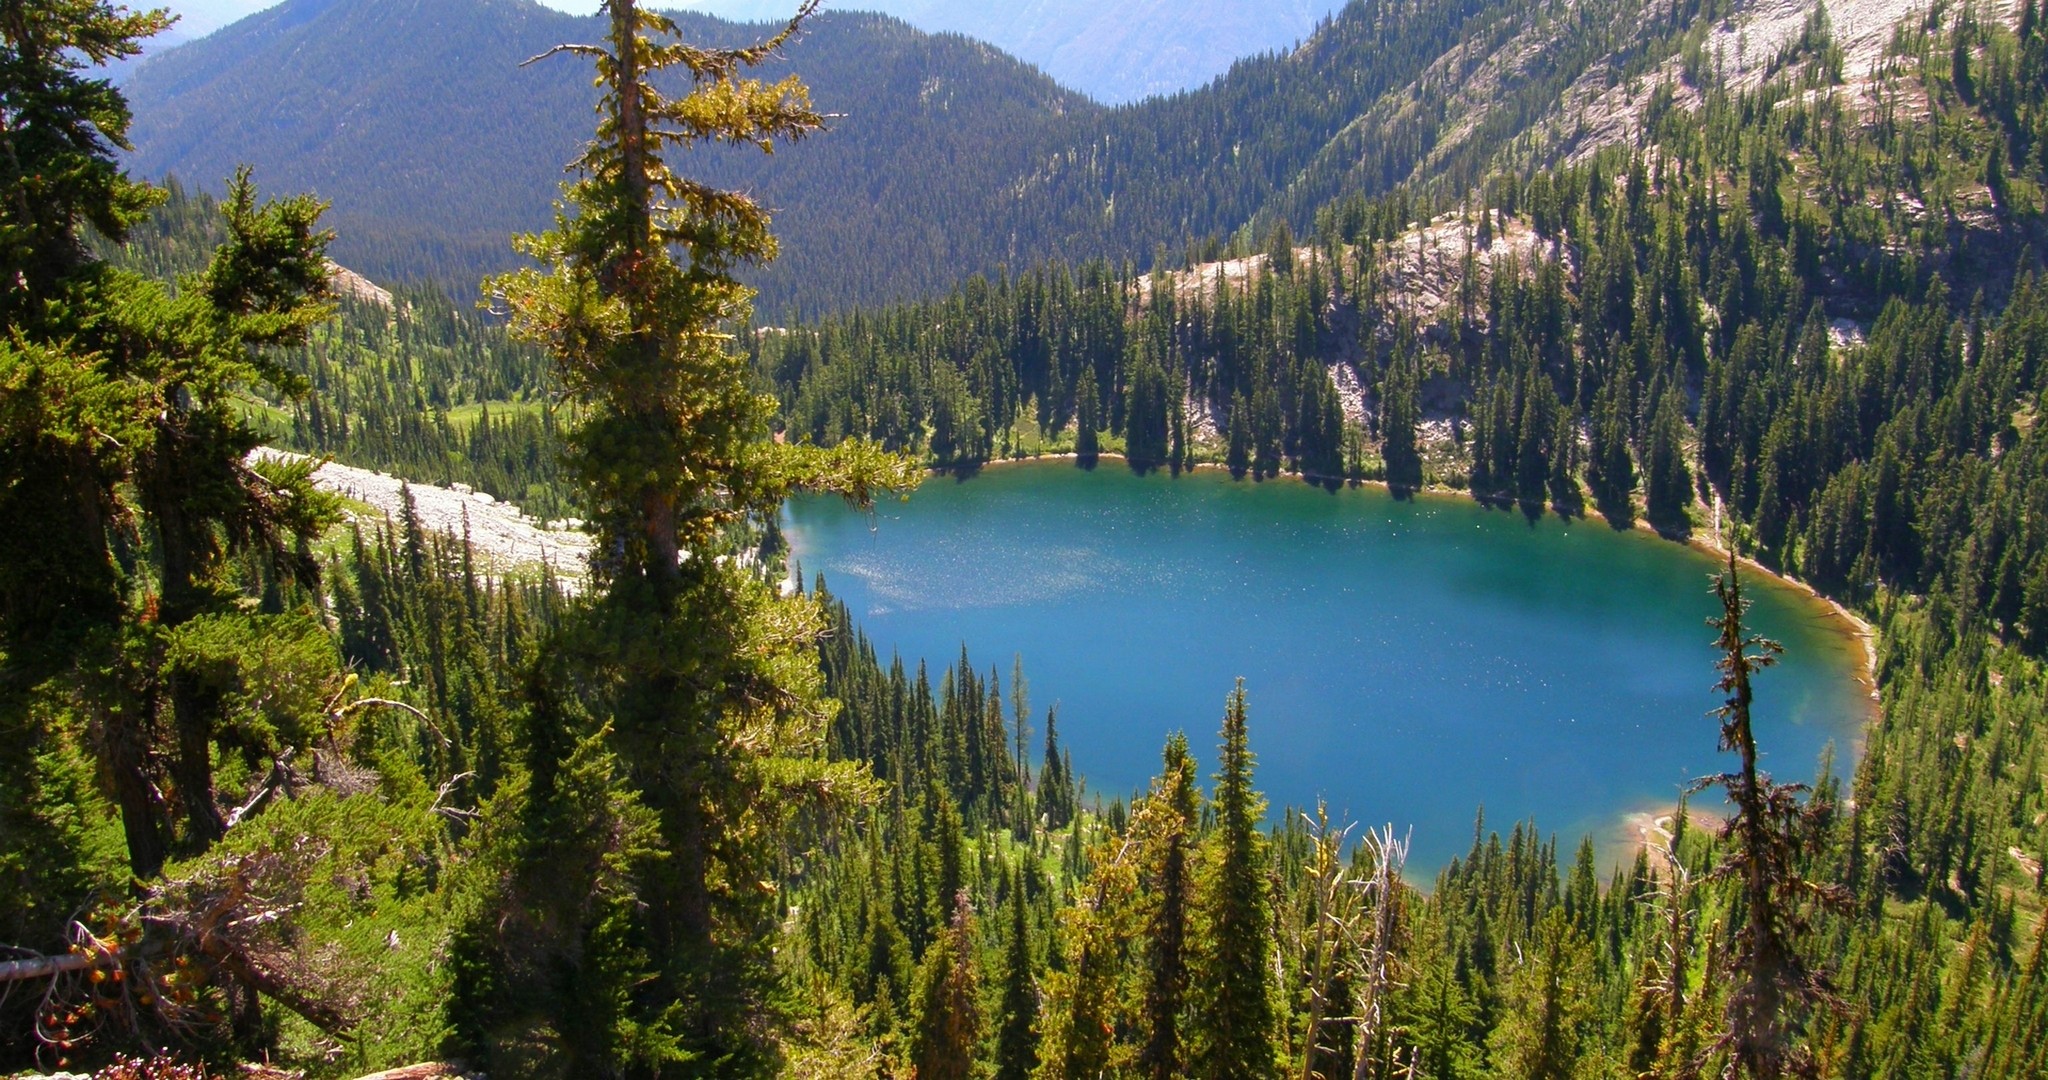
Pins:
x: 388, y: 703
x: 447, y: 789
x: 280, y: 776
x: 579, y: 50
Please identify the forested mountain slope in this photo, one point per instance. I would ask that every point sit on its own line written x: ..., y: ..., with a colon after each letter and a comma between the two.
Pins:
x: 418, y: 123
x: 950, y: 159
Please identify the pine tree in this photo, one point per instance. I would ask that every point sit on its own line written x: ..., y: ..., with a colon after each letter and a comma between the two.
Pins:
x: 1238, y: 456
x: 1532, y: 441
x: 705, y: 678
x: 1267, y: 431
x: 1546, y: 1028
x: 948, y: 996
x: 1669, y: 484
x: 1055, y: 786
x: 1233, y: 1032
x: 1180, y: 454
x: 1148, y: 434
x: 1612, y: 469
x: 264, y: 289
x: 1087, y: 417
x: 1439, y: 1015
x: 1564, y: 459
x: 1016, y: 1038
x: 121, y: 407
x: 1166, y: 930
x: 1400, y: 412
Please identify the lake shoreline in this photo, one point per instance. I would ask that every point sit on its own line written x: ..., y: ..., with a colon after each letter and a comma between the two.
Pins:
x: 1851, y: 625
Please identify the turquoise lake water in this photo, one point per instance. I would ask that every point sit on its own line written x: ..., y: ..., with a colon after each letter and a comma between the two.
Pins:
x: 1407, y: 661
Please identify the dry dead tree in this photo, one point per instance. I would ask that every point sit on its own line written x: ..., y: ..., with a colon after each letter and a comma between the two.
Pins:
x: 1375, y: 962
x: 1351, y: 941
x: 1335, y: 920
x: 1671, y: 901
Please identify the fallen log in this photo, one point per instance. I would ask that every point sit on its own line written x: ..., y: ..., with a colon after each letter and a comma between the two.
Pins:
x: 44, y: 967
x: 433, y: 1070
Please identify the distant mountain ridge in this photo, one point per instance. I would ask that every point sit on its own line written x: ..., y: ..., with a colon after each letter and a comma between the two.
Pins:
x: 947, y: 157
x: 415, y: 118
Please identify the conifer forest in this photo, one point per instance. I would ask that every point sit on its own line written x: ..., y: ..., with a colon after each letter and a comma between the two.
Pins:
x: 296, y: 785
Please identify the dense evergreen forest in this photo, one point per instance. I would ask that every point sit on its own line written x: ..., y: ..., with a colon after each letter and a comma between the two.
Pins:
x: 406, y: 382
x: 332, y: 796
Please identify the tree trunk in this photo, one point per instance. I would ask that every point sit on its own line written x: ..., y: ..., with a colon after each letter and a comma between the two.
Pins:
x: 192, y: 768
x: 124, y: 752
x: 192, y: 723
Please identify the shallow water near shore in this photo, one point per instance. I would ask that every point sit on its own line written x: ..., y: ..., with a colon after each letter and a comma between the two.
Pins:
x: 1408, y: 661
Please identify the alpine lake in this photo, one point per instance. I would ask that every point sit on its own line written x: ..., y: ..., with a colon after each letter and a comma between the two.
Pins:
x: 1408, y: 661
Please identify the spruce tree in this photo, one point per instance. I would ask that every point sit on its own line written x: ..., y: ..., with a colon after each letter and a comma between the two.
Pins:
x: 1016, y: 1030
x: 947, y: 1026
x: 1166, y: 930
x: 1400, y: 412
x: 1669, y: 482
x: 1233, y: 1031
x: 700, y: 678
x: 1087, y: 417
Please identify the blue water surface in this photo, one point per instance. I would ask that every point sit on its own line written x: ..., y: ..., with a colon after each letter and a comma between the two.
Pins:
x: 1407, y: 661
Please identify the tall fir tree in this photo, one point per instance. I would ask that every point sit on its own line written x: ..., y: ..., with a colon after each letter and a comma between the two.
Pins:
x: 1087, y: 417
x: 1171, y: 882
x: 1016, y: 1026
x: 122, y: 409
x: 1234, y: 1027
x: 1668, y: 484
x: 947, y: 1028
x: 702, y: 681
